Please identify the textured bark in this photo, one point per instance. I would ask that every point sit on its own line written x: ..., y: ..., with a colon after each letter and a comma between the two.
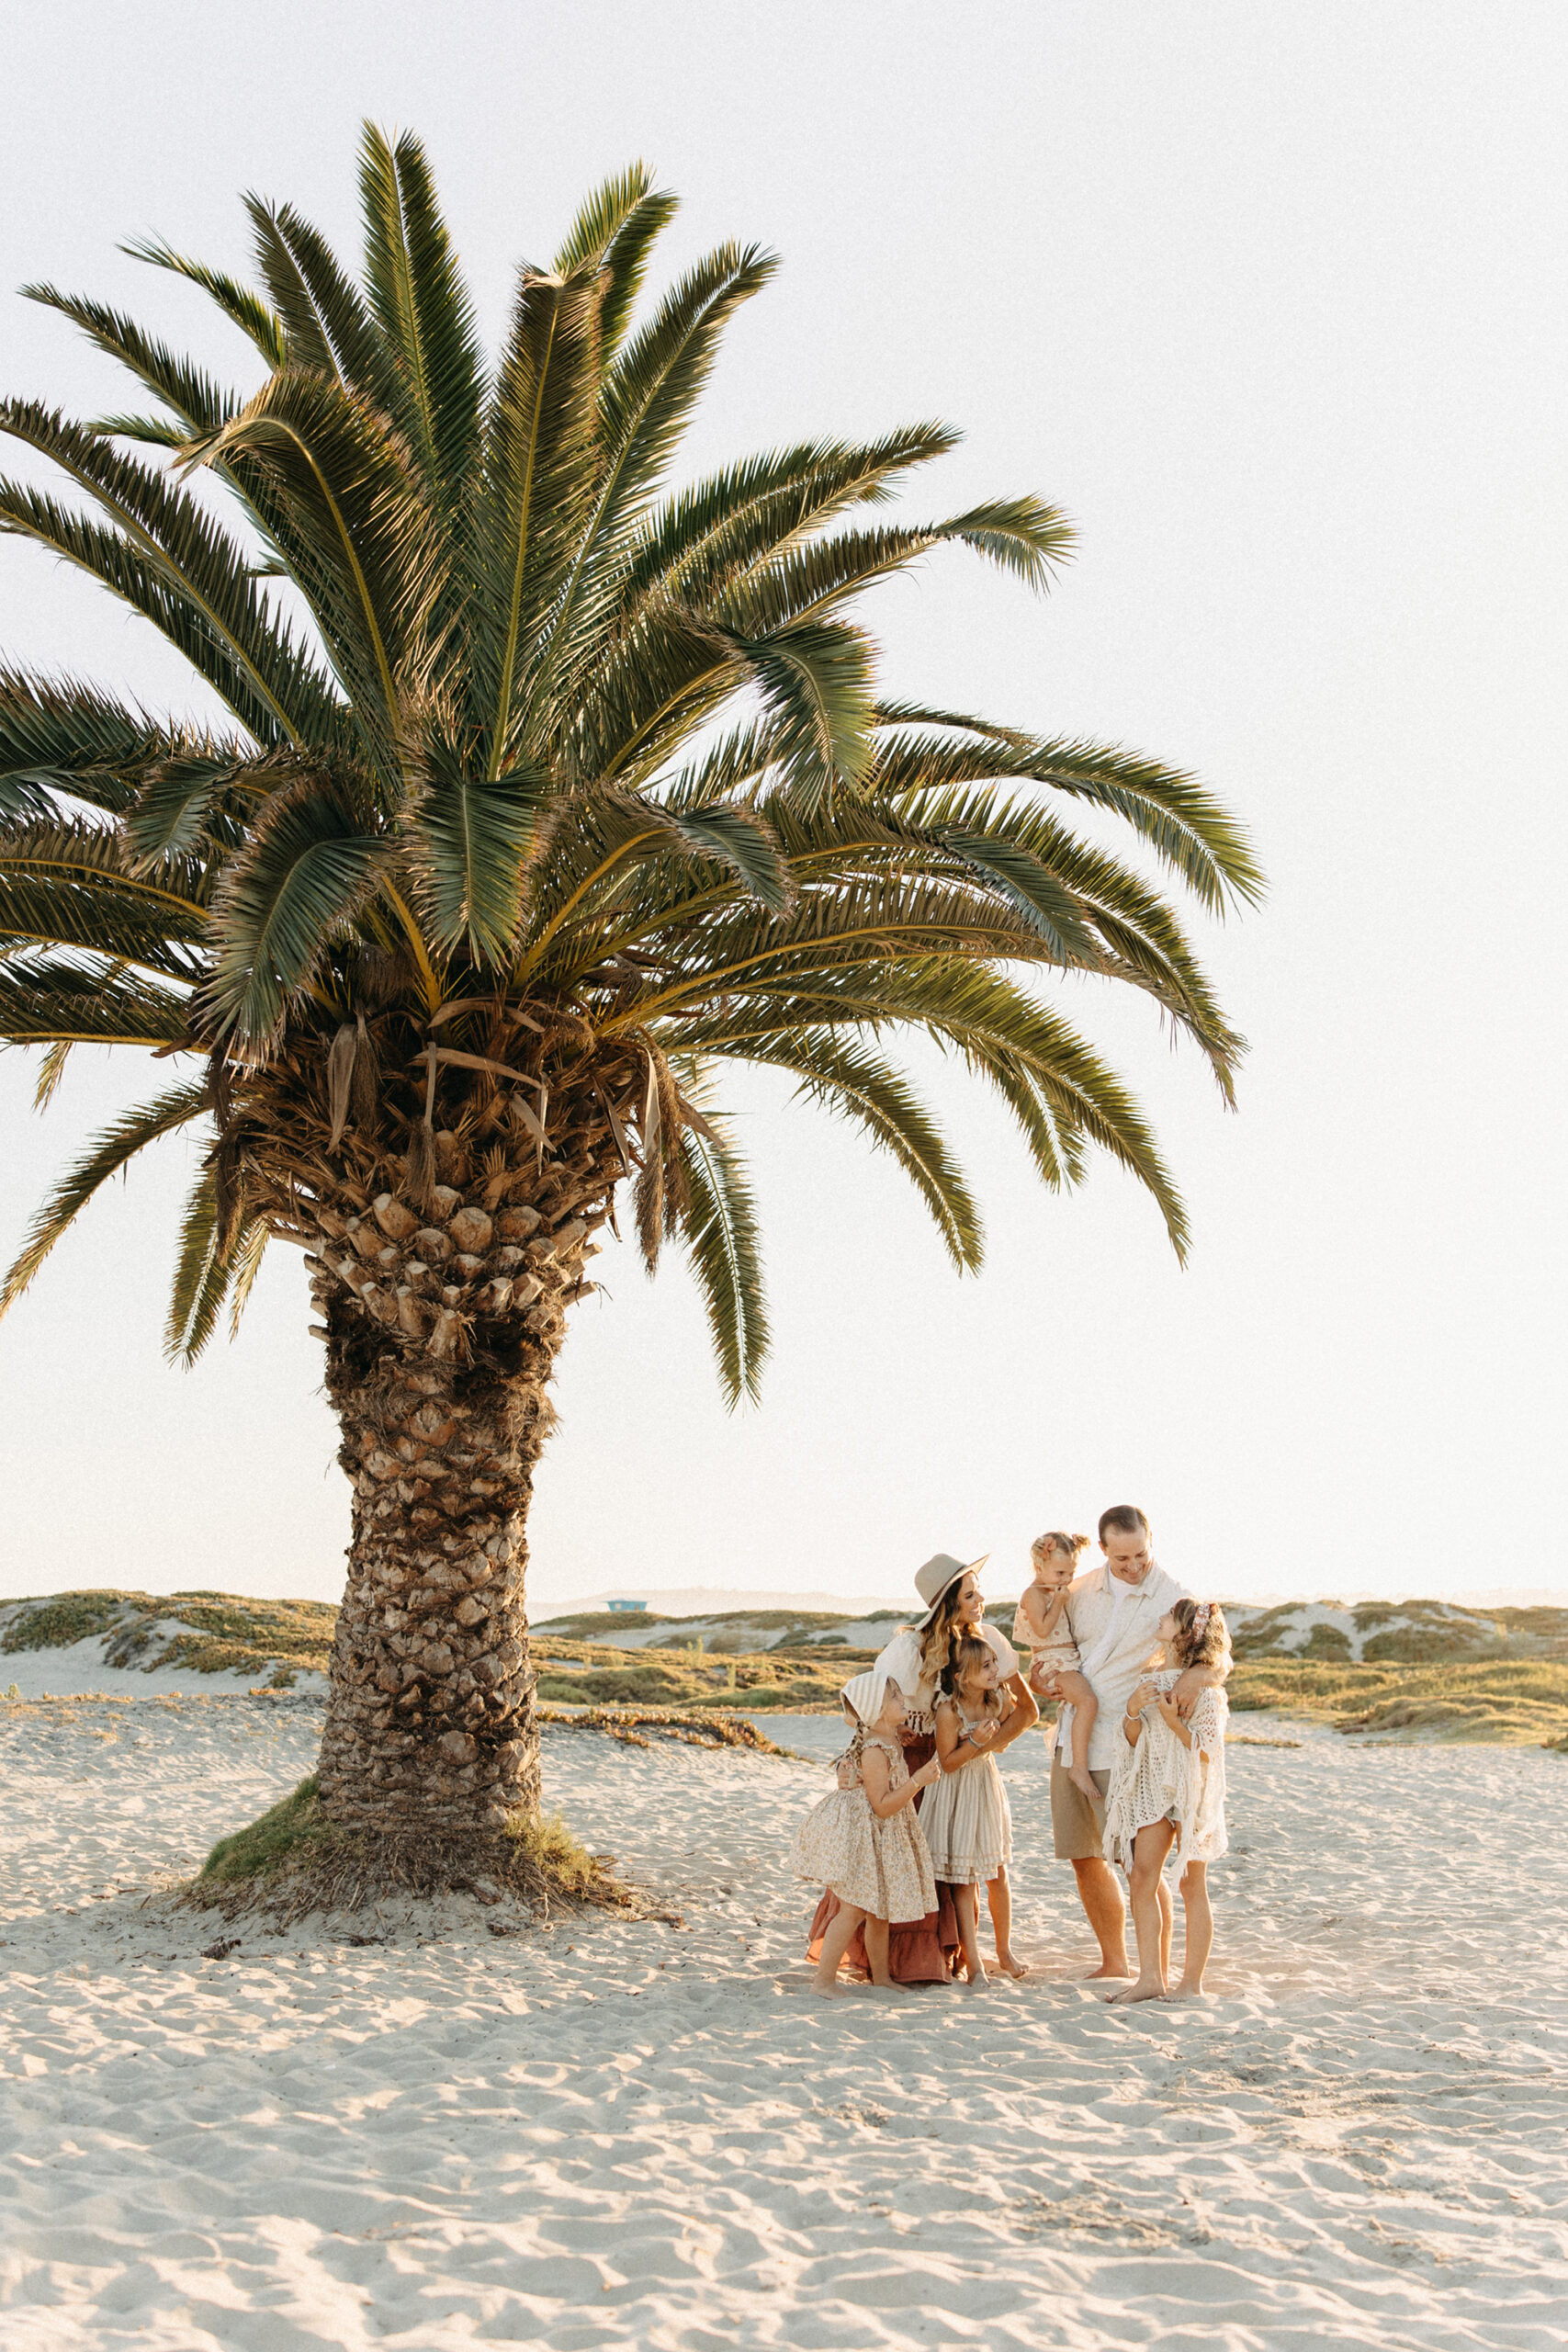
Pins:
x: 444, y: 1324
x: 448, y: 1199
x: 431, y: 1718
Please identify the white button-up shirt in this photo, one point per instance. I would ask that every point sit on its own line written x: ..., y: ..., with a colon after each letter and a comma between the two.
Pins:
x: 1115, y: 1626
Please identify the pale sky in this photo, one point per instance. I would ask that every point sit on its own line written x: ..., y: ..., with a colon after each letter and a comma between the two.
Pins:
x: 1271, y: 300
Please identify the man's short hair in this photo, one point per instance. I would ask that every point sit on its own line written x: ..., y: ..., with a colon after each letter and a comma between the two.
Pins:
x: 1127, y: 1518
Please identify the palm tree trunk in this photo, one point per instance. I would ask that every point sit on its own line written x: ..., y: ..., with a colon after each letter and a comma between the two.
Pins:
x: 442, y: 1336
x: 431, y: 1721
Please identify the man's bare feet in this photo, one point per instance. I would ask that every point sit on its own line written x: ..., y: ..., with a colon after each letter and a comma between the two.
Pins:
x: 1082, y: 1778
x: 1108, y: 1968
x: 1145, y: 1989
x: 1186, y: 1992
x: 1011, y: 1967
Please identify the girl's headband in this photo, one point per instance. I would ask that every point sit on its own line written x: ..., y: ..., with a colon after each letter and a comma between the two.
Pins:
x: 1201, y: 1617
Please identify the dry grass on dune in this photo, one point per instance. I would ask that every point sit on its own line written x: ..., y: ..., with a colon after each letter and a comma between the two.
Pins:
x: 197, y: 1633
x: 1515, y: 1702
x: 1436, y: 1673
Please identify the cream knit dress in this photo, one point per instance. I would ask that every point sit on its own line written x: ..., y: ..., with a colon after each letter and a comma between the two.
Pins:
x: 967, y: 1817
x: 883, y: 1867
x: 1160, y: 1780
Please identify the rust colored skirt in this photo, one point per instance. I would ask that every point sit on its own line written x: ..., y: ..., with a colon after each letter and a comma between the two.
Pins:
x: 920, y: 1951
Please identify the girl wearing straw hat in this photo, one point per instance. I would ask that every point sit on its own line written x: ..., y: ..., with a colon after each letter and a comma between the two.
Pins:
x: 864, y: 1840
x: 926, y: 1952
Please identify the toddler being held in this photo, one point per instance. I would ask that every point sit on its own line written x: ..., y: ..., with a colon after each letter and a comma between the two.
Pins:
x: 1042, y: 1626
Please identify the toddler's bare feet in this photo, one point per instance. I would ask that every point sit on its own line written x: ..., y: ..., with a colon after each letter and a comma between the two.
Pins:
x: 1147, y: 1988
x: 1082, y: 1778
x: 1011, y: 1967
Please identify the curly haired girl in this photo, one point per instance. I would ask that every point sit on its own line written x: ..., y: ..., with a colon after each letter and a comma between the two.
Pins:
x: 1168, y: 1791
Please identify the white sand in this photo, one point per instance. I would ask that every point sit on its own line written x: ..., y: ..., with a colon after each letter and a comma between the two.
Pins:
x: 78, y: 1669
x: 625, y: 2134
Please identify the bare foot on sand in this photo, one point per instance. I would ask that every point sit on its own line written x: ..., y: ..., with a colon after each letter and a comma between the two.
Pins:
x: 1011, y: 1967
x: 974, y: 1980
x: 1145, y: 1989
x: 1185, y: 1992
x: 887, y: 1985
x: 1106, y: 1968
x: 832, y: 1991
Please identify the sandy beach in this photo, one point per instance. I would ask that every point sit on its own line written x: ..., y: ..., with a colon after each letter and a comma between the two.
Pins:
x: 630, y: 2132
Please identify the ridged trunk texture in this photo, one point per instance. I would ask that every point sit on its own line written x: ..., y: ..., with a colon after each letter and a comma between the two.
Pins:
x: 431, y: 1719
x: 443, y: 1326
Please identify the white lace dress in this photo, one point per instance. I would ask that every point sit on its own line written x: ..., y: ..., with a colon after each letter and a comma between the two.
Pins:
x: 1162, y: 1780
x: 968, y: 1819
x: 880, y: 1866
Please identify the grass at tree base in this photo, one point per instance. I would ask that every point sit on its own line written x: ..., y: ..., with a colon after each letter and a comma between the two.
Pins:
x: 294, y: 1861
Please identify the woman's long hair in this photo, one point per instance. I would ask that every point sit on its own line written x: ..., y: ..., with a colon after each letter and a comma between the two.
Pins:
x: 937, y: 1641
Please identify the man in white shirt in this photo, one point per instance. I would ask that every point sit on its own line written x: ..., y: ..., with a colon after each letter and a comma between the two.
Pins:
x: 1114, y: 1612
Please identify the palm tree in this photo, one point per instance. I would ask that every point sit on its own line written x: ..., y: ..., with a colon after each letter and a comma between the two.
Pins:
x: 543, y: 791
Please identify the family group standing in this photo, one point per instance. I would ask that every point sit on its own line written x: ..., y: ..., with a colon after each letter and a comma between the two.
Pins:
x: 918, y: 1820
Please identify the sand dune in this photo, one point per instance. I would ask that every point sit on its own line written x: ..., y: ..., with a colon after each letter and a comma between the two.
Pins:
x: 630, y: 2133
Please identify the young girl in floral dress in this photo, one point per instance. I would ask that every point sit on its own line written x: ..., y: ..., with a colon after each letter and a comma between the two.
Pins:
x: 1168, y: 1790
x: 863, y: 1842
x: 966, y: 1819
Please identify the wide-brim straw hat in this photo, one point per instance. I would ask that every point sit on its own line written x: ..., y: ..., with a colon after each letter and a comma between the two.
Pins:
x: 939, y: 1571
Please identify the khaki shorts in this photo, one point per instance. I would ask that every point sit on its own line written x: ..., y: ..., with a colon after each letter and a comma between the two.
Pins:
x: 1076, y: 1835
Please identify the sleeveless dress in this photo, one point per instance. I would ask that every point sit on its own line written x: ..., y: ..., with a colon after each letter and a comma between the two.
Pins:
x: 968, y: 1819
x: 924, y: 1951
x: 1162, y: 1780
x: 880, y: 1865
x: 1057, y: 1654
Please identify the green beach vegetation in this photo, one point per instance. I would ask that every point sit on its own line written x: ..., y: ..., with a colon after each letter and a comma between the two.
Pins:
x: 1438, y: 1672
x: 550, y: 783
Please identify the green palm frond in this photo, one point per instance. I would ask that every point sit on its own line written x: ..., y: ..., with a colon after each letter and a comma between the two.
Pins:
x: 309, y: 865
x: 470, y: 846
x: 253, y: 317
x: 847, y: 1077
x: 613, y: 234
x: 187, y: 390
x: 423, y: 311
x: 645, y: 400
x: 699, y: 542
x: 813, y: 582
x: 107, y: 1155
x: 723, y: 1237
x: 207, y: 1272
x: 540, y: 466
x: 58, y: 736
x: 49, y: 1000
x: 816, y: 682
x: 368, y: 558
x: 168, y: 560
x: 543, y: 739
x: 326, y: 319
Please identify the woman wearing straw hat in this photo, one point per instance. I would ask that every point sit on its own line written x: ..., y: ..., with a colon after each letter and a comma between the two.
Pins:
x: 923, y: 1952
